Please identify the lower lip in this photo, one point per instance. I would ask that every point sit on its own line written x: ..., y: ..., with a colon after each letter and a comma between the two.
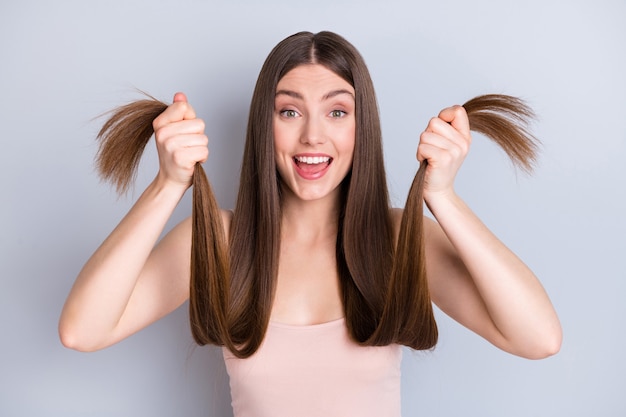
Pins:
x: 312, y: 175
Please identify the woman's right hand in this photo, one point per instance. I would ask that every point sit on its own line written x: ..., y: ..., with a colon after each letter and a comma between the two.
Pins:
x: 181, y: 143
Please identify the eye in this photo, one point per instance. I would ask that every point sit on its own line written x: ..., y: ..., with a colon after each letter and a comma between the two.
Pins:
x: 290, y: 114
x: 337, y: 113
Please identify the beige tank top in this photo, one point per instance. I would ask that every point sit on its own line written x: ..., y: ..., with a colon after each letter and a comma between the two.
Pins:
x: 315, y: 371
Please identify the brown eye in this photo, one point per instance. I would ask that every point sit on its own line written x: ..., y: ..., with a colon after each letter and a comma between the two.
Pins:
x: 337, y: 113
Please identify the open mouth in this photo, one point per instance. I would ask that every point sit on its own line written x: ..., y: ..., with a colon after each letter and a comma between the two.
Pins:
x: 311, y: 165
x: 312, y: 160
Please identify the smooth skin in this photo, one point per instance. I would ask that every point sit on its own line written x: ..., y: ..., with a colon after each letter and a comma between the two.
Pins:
x: 313, y: 115
x: 129, y: 282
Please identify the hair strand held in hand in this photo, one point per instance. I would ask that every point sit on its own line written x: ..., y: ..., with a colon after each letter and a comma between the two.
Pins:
x: 122, y: 141
x: 384, y: 288
x: 505, y: 120
x: 408, y: 310
x: 123, y: 138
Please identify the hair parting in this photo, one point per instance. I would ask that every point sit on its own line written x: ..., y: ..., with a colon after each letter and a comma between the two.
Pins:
x: 383, y: 283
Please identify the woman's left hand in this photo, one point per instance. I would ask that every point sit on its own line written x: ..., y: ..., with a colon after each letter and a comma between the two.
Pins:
x: 444, y: 144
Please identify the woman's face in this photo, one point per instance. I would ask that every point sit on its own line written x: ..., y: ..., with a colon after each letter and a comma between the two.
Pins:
x: 314, y: 131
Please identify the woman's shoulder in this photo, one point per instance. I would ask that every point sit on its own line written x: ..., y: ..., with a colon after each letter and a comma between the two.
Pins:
x: 227, y: 218
x: 184, y: 228
x: 396, y: 213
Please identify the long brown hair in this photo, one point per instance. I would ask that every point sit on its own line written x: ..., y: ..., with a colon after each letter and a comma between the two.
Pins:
x: 384, y: 288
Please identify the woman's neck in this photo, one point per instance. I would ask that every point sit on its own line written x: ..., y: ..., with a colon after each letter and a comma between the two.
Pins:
x: 310, y: 220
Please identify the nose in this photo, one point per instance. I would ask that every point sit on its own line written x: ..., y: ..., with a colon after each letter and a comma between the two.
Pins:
x: 312, y: 132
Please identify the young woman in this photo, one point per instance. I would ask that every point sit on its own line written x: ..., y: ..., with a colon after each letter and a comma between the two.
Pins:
x: 322, y: 281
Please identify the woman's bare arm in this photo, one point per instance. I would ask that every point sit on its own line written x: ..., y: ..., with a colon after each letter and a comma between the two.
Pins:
x: 129, y: 283
x: 472, y: 275
x: 479, y: 282
x: 126, y: 285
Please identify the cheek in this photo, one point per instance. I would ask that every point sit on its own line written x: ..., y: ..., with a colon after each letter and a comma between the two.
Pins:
x: 279, y: 142
x: 283, y: 137
x: 281, y: 150
x: 348, y: 140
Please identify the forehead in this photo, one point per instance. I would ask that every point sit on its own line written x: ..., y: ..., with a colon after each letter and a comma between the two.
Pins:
x: 313, y: 78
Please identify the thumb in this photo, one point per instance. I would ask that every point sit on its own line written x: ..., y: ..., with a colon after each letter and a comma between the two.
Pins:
x: 188, y: 112
x: 457, y: 117
x: 180, y: 97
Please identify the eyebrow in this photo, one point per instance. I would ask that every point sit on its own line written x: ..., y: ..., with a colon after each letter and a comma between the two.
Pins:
x: 327, y: 96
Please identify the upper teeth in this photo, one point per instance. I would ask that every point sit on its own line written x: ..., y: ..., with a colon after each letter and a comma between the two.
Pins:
x: 312, y: 159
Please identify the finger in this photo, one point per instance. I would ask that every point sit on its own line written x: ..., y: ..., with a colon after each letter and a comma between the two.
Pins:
x: 457, y: 117
x: 441, y: 127
x: 435, y: 155
x: 175, y: 112
x: 436, y: 139
x: 183, y: 157
x: 182, y: 98
x: 173, y: 144
x: 179, y: 97
x: 182, y: 127
x: 197, y: 140
x: 444, y: 137
x: 187, y: 157
x: 430, y: 141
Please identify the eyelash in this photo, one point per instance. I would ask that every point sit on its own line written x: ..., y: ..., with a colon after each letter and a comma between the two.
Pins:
x: 341, y: 113
x: 336, y: 114
x: 286, y: 113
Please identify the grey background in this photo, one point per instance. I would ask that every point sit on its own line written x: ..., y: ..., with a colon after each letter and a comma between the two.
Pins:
x: 63, y: 63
